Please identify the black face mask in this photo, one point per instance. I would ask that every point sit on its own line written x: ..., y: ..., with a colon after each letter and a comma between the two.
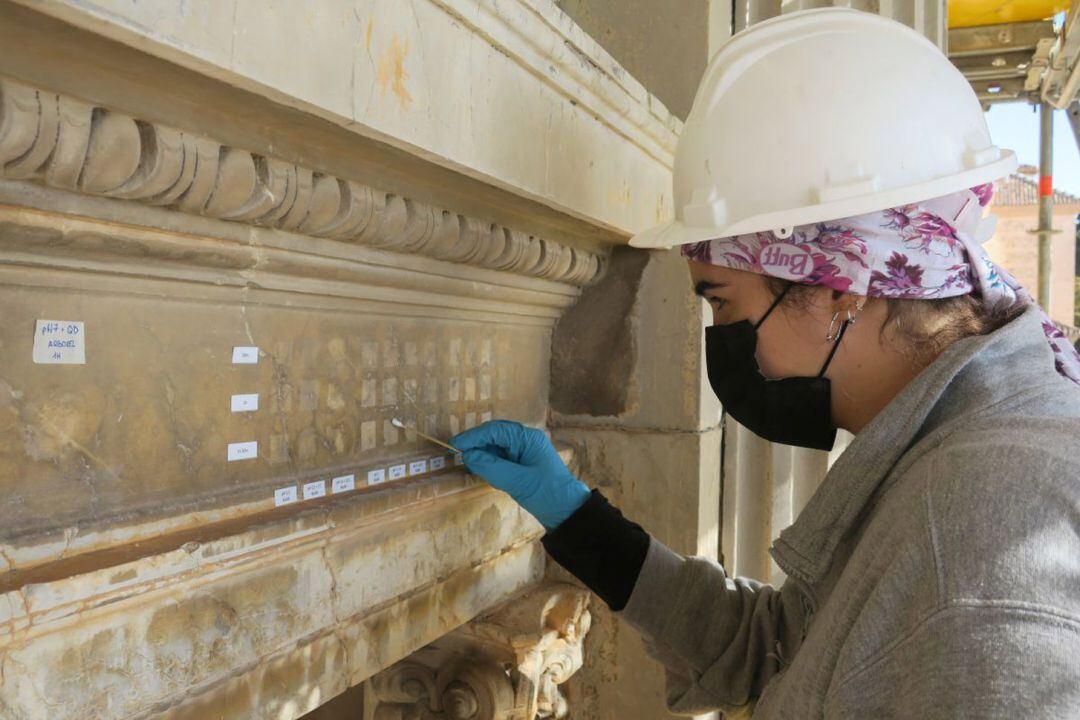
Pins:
x: 792, y: 411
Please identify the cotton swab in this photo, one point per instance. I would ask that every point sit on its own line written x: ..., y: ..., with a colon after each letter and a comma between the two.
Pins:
x: 398, y: 424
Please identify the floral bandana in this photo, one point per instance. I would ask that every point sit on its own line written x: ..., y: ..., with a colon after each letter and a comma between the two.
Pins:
x: 919, y: 251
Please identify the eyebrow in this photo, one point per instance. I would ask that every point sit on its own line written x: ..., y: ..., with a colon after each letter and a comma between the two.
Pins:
x: 705, y: 286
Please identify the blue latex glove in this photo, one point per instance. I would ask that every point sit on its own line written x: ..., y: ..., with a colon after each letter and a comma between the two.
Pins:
x: 521, y: 461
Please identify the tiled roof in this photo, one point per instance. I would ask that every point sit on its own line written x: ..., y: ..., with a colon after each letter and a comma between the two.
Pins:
x: 1019, y: 190
x: 1072, y: 333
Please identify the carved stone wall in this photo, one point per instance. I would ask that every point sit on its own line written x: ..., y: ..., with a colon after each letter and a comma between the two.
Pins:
x: 138, y: 554
x: 72, y: 145
x: 344, y: 343
x: 506, y: 665
x: 510, y: 95
x: 219, y: 287
x: 123, y: 494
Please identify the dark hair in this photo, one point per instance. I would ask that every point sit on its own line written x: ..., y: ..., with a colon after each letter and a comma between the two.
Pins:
x: 923, y: 327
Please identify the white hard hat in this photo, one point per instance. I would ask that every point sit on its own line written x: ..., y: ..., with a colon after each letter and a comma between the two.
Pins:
x: 818, y: 115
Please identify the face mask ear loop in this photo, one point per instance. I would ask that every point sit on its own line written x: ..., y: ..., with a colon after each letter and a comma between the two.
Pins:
x: 836, y: 346
x: 772, y: 307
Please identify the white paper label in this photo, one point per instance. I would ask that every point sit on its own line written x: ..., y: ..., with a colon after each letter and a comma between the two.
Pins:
x: 59, y: 342
x: 243, y: 451
x: 397, y: 472
x: 315, y: 489
x: 343, y: 483
x: 284, y: 496
x: 374, y: 477
x: 418, y: 467
x: 438, y: 463
x: 245, y: 355
x: 458, y: 460
x: 245, y: 403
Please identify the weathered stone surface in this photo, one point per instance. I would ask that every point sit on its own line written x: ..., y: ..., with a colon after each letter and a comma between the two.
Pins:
x: 147, y: 575
x: 594, y: 349
x: 332, y: 185
x: 664, y: 50
x: 506, y: 665
x: 630, y: 394
x: 47, y: 53
x: 268, y: 622
x: 400, y: 72
x: 140, y: 432
x: 631, y: 353
x: 73, y: 145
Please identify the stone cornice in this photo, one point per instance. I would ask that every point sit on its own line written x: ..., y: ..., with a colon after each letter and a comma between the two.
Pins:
x: 541, y: 37
x: 299, y: 607
x: 544, y: 119
x: 69, y: 144
x: 99, y: 243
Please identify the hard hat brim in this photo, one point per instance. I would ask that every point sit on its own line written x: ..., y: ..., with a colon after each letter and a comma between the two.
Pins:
x: 673, y: 232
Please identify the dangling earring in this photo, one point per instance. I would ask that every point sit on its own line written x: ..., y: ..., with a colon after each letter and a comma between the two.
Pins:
x: 834, y: 326
x: 850, y: 317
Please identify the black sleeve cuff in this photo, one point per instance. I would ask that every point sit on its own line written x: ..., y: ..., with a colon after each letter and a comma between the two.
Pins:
x: 601, y: 548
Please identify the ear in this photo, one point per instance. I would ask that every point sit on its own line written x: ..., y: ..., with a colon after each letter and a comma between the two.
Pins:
x: 848, y: 304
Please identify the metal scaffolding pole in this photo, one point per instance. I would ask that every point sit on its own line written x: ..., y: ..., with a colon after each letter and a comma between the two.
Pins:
x: 1046, y: 199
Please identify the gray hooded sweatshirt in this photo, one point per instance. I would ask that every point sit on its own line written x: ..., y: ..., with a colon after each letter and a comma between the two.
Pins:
x: 935, y: 573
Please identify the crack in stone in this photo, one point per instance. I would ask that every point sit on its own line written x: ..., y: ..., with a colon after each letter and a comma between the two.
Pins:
x: 69, y: 535
x: 7, y: 558
x: 247, y: 325
x: 334, y: 598
x: 185, y: 451
x: 25, y: 410
x: 282, y: 389
x: 33, y: 685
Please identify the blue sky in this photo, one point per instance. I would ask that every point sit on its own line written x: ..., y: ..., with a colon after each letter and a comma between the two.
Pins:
x: 1016, y: 126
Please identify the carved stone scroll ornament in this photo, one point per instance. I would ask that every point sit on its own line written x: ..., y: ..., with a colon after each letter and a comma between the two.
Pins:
x: 69, y: 144
x: 506, y: 665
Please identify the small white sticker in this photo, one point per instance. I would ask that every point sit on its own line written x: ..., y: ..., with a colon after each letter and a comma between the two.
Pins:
x: 397, y: 472
x: 438, y: 463
x: 343, y: 483
x: 458, y: 460
x: 418, y: 467
x: 284, y: 496
x: 245, y: 355
x: 315, y: 489
x: 245, y: 403
x: 374, y: 477
x: 59, y: 342
x: 243, y: 450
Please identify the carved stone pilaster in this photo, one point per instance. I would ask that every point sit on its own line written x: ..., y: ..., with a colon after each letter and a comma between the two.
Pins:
x: 505, y: 665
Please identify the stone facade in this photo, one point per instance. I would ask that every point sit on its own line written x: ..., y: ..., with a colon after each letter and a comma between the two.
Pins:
x: 258, y: 259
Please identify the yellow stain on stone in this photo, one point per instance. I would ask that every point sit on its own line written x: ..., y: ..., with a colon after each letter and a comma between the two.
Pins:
x: 391, y: 72
x: 662, y: 212
x: 620, y: 196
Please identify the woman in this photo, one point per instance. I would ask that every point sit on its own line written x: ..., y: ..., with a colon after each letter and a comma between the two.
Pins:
x: 935, y: 573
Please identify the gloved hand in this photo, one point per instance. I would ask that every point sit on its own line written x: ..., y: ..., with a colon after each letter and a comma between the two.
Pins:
x: 522, y: 462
